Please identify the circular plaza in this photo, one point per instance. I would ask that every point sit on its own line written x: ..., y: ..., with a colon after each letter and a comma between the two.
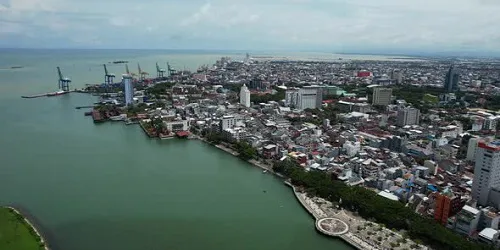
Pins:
x: 332, y: 226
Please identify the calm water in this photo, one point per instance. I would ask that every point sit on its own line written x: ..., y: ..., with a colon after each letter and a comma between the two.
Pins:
x: 109, y: 187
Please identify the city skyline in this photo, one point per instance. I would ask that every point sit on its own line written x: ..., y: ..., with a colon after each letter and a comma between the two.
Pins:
x: 358, y: 26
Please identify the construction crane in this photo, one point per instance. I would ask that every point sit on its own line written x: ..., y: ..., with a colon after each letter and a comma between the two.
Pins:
x: 160, y: 73
x: 108, y: 77
x: 142, y: 74
x: 63, y: 81
x: 171, y: 71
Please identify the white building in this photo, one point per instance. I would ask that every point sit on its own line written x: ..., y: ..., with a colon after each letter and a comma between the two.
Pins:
x: 486, y: 181
x: 466, y: 221
x: 352, y: 148
x: 228, y: 121
x: 381, y: 96
x: 245, y: 96
x: 472, y: 148
x: 129, y: 89
x: 310, y: 97
x: 179, y: 125
x: 408, y: 116
x: 490, y: 123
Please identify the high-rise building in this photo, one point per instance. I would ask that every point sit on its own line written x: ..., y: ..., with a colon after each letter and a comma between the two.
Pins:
x: 292, y: 97
x: 472, y: 148
x: 310, y: 97
x: 129, y: 89
x: 381, y: 96
x: 451, y: 80
x: 486, y: 183
x: 245, y: 96
x: 408, y: 116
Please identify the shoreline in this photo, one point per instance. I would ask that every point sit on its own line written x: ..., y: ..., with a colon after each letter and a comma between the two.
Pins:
x: 41, y: 238
x: 344, y: 236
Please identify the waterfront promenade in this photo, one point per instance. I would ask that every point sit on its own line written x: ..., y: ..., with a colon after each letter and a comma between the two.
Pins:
x: 354, y: 230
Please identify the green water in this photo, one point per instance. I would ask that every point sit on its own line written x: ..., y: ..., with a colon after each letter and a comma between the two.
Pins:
x: 108, y: 186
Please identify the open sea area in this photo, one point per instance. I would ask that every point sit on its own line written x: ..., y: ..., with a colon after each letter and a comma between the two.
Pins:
x: 108, y: 186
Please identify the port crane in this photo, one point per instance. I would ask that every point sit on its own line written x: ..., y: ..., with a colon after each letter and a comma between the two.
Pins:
x: 128, y: 71
x: 160, y: 73
x: 142, y: 74
x: 108, y: 77
x: 63, y: 81
x: 171, y: 71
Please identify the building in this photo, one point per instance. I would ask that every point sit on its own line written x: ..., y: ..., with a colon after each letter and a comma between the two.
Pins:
x: 472, y: 148
x: 408, y: 116
x: 451, y: 80
x: 466, y: 221
x: 381, y: 96
x: 447, y: 205
x: 310, y: 97
x: 486, y: 183
x: 245, y: 96
x: 129, y: 89
x: 228, y: 121
x: 292, y: 97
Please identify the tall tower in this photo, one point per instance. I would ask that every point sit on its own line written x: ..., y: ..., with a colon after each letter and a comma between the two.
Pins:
x: 245, y: 96
x: 486, y: 183
x: 451, y: 80
x: 129, y: 89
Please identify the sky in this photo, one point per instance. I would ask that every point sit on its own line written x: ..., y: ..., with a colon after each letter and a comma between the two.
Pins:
x: 316, y: 25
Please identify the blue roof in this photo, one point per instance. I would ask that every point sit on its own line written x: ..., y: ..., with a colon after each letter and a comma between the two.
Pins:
x: 432, y: 187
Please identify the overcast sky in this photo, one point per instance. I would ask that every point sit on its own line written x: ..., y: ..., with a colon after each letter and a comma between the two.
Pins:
x: 334, y: 25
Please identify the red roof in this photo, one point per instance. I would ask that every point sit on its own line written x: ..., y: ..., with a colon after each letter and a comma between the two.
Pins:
x: 182, y: 133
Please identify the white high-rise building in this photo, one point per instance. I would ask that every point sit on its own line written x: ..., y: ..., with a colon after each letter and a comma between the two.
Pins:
x: 408, y: 116
x: 310, y: 97
x: 381, y: 96
x: 129, y: 89
x: 245, y: 96
x: 486, y: 183
x: 472, y: 148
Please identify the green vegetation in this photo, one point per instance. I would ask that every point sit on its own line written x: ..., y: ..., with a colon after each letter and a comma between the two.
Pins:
x: 15, y: 233
x: 369, y: 205
x: 280, y: 95
x: 245, y: 150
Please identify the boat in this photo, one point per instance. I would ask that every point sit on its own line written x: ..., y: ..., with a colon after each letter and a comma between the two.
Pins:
x: 118, y: 62
x: 265, y: 171
x: 16, y: 67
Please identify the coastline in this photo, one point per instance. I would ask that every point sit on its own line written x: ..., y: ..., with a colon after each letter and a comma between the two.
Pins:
x: 30, y: 225
x: 345, y: 235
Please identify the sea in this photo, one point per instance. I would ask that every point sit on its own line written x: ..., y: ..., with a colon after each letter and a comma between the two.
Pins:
x: 107, y: 186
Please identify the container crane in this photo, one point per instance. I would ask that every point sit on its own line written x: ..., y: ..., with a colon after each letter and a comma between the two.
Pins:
x: 128, y: 71
x: 171, y: 71
x: 142, y: 74
x: 160, y: 73
x: 108, y: 77
x: 63, y: 81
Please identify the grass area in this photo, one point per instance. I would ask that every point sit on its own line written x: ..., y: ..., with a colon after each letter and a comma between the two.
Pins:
x: 15, y: 233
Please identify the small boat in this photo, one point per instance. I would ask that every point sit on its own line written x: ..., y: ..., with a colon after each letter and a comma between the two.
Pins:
x: 265, y: 171
x: 16, y: 67
x: 118, y: 62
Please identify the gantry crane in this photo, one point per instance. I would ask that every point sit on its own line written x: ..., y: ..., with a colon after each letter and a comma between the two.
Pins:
x: 160, y: 73
x: 171, y: 71
x: 63, y: 81
x: 142, y: 74
x: 108, y: 77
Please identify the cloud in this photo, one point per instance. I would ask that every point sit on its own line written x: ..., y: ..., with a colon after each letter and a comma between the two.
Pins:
x: 258, y: 24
